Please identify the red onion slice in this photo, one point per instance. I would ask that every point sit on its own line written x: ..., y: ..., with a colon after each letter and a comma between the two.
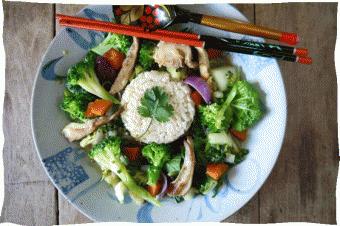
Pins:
x: 201, y: 86
x: 164, y: 188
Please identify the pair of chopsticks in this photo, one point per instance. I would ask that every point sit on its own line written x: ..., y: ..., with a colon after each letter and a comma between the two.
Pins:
x: 286, y: 53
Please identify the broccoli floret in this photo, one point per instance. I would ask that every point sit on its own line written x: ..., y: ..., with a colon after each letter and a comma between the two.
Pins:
x: 108, y: 156
x: 157, y: 155
x: 146, y: 52
x: 119, y: 42
x: 246, y: 104
x: 208, y: 115
x: 75, y: 104
x: 218, y: 116
x: 241, y: 109
x: 215, y: 116
x: 105, y: 131
x: 83, y: 75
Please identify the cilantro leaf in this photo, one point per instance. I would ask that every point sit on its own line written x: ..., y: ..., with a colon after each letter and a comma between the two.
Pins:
x: 155, y: 104
x: 144, y: 111
x: 162, y: 114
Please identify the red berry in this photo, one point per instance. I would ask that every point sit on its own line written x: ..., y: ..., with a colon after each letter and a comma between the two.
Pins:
x: 155, y: 12
x: 144, y: 25
x: 148, y: 10
x: 149, y: 19
x: 143, y: 18
x: 157, y: 22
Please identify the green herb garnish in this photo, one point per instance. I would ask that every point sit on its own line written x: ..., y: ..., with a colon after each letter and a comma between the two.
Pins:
x: 155, y: 104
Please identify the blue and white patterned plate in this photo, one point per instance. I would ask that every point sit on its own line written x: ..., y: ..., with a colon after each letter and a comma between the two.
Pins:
x: 79, y: 180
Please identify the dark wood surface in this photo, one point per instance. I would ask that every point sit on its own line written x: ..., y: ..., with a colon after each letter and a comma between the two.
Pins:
x: 302, y: 184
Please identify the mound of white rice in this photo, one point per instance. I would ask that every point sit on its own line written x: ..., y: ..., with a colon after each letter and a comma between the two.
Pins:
x: 159, y: 132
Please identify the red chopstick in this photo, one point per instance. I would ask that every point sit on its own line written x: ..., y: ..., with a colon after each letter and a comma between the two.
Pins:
x: 122, y: 26
x: 163, y: 35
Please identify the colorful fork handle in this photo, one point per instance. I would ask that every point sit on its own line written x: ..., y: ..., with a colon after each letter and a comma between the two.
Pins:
x: 248, y: 29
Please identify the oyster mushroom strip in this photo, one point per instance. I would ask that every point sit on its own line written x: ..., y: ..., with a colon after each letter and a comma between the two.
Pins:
x: 76, y: 131
x: 127, y: 68
x: 182, y: 184
x: 203, y: 61
x: 173, y: 55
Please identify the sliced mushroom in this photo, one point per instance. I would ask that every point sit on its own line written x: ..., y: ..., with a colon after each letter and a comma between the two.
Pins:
x: 127, y: 68
x: 76, y: 131
x: 182, y: 184
x: 173, y: 55
x: 203, y: 61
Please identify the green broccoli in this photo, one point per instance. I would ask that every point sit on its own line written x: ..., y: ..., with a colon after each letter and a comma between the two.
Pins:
x: 241, y: 109
x: 157, y: 155
x: 246, y: 104
x: 83, y: 74
x: 119, y: 42
x: 108, y: 156
x: 145, y: 58
x: 215, y: 116
x: 75, y: 104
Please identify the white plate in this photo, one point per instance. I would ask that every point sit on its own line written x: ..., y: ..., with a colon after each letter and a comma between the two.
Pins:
x: 79, y: 180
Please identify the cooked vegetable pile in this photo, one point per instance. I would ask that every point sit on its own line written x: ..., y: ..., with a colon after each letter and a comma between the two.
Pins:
x: 226, y: 107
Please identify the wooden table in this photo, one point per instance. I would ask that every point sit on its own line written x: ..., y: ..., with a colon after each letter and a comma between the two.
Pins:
x: 302, y: 184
